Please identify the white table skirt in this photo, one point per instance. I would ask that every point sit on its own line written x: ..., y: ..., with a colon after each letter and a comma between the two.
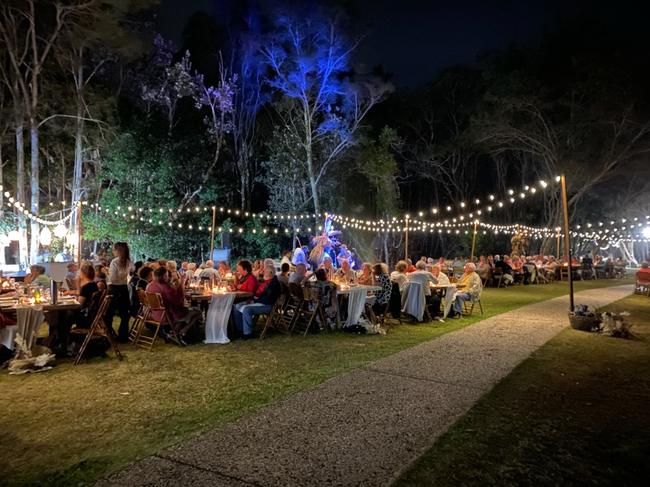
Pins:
x: 450, y: 296
x: 356, y: 304
x: 216, y: 321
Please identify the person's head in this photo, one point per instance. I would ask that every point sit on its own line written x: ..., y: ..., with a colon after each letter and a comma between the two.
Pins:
x: 191, y: 266
x: 284, y: 268
x: 286, y: 253
x: 209, y: 264
x: 161, y: 274
x: 644, y: 265
x: 420, y: 265
x: 146, y: 274
x: 87, y: 271
x: 401, y: 266
x: 321, y: 275
x: 171, y: 265
x: 269, y: 263
x: 244, y: 266
x: 366, y: 268
x: 409, y: 262
x: 435, y: 270
x: 72, y: 267
x: 379, y: 268
x: 121, y: 251
x: 269, y: 272
x: 40, y: 270
x: 469, y: 268
x: 327, y: 262
x: 301, y: 269
x: 345, y: 265
x: 100, y: 276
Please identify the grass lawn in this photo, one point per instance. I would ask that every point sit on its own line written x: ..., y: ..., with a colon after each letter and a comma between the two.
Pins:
x: 574, y: 413
x: 72, y: 425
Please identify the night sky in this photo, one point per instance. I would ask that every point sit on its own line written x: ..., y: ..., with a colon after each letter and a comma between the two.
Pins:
x: 414, y: 40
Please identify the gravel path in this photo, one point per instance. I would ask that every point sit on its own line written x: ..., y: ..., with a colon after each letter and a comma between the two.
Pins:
x: 367, y: 426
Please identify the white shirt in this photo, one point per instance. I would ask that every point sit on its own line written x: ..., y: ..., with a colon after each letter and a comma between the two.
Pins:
x: 443, y: 280
x: 118, y: 275
x: 423, y: 278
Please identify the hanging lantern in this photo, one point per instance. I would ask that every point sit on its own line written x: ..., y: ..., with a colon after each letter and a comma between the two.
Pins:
x: 14, y: 235
x: 45, y: 237
x: 60, y: 230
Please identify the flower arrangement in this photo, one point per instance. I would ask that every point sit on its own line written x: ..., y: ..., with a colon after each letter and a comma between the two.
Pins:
x: 614, y: 324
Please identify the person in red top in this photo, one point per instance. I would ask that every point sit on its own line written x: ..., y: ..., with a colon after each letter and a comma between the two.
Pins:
x: 174, y: 301
x: 247, y: 282
x: 644, y: 271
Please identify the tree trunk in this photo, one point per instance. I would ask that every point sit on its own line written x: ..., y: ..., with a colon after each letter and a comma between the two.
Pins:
x: 20, y: 181
x: 34, y: 186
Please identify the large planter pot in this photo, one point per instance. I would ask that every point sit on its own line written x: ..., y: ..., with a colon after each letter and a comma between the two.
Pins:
x: 584, y: 323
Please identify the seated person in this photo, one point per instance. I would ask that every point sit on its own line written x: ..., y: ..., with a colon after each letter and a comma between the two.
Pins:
x: 140, y: 281
x: 209, y: 272
x: 87, y: 288
x: 173, y: 298
x: 328, y: 266
x: 441, y: 277
x: 399, y: 274
x: 365, y: 277
x: 345, y: 274
x: 283, y: 276
x: 246, y: 282
x: 37, y: 276
x: 100, y: 279
x: 266, y: 295
x: 505, y: 268
x: 223, y: 269
x: 381, y: 278
x: 469, y: 287
x: 425, y: 279
x: 71, y: 276
x: 299, y: 276
x: 325, y: 292
x: 644, y: 271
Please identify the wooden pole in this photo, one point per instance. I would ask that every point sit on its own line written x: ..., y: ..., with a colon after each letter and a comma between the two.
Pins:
x: 473, y: 241
x: 214, y: 220
x: 406, y: 242
x: 78, y: 225
x: 567, y: 240
x: 557, y: 251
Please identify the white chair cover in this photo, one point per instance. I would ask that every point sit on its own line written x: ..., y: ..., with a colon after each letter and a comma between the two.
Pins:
x: 413, y: 300
x: 356, y: 303
x: 216, y: 321
x: 29, y: 320
x: 7, y: 336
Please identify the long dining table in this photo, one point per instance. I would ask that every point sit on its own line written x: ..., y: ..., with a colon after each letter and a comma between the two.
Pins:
x: 357, y: 297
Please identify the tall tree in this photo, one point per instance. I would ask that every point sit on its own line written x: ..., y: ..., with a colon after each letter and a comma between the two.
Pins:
x: 309, y: 61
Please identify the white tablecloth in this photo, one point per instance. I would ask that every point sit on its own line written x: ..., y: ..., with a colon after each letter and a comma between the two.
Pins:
x: 356, y: 303
x: 216, y: 321
x: 7, y: 336
x: 29, y: 320
x: 450, y: 296
x: 413, y: 300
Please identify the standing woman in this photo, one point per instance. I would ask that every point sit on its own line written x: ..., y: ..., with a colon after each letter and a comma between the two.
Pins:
x: 118, y: 280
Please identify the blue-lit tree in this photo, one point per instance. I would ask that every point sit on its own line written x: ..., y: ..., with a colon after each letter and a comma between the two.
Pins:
x: 310, y: 66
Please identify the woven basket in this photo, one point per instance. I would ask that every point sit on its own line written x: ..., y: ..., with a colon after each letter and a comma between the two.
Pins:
x: 584, y: 323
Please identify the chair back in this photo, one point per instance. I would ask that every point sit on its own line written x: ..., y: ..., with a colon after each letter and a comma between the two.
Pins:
x: 154, y: 301
x: 414, y: 300
x: 395, y: 303
x: 103, y: 307
x: 296, y: 290
x: 142, y: 296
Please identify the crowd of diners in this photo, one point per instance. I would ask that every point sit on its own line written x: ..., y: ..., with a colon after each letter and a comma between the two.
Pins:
x: 263, y: 279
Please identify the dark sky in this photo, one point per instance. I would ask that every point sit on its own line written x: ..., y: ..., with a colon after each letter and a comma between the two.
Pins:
x: 414, y: 40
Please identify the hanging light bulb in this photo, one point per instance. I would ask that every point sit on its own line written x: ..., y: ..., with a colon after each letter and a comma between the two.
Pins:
x: 45, y: 237
x: 60, y: 230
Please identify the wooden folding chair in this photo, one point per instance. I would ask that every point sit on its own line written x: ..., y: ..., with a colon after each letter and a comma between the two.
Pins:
x: 97, y: 329
x: 307, y: 309
x: 278, y: 318
x: 140, y: 318
x: 154, y: 304
x: 474, y: 302
x: 497, y: 275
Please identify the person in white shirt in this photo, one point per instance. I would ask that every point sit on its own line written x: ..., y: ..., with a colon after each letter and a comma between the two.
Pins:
x: 441, y: 277
x: 209, y: 272
x: 118, y: 280
x: 399, y: 274
x: 425, y: 279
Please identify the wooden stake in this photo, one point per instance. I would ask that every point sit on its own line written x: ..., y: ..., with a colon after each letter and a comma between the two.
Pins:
x: 214, y: 219
x: 567, y: 240
x: 557, y: 251
x: 474, y: 241
x: 406, y: 242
